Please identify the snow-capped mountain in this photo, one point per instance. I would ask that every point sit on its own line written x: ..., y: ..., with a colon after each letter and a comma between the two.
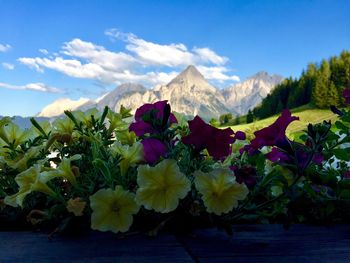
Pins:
x: 189, y: 93
x: 59, y: 106
x: 246, y: 95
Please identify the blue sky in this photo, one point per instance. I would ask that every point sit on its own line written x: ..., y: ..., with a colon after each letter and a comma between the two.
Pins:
x: 73, y: 49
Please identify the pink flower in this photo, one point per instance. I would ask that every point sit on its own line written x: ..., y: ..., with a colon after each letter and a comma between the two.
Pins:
x: 152, y: 118
x: 276, y: 155
x: 273, y: 135
x: 216, y: 141
x: 153, y: 150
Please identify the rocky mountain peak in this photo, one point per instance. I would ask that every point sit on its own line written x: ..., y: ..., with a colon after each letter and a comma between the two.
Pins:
x: 189, y: 77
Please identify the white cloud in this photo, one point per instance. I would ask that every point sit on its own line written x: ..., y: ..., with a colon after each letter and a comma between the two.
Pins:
x: 4, y: 47
x: 8, y: 66
x: 44, y: 51
x: 142, y: 61
x: 208, y: 55
x: 32, y: 86
x: 217, y: 73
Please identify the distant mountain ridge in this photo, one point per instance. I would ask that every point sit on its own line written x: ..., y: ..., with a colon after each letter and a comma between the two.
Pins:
x: 188, y: 93
x: 244, y: 96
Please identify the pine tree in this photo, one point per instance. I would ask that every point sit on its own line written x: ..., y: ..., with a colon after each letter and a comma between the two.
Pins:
x: 320, y: 91
x: 250, y: 117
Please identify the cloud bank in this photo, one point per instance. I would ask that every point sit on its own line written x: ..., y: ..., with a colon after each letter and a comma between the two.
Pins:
x: 32, y: 86
x: 141, y: 61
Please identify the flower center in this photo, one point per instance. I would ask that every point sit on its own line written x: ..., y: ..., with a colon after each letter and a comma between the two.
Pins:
x: 116, y: 207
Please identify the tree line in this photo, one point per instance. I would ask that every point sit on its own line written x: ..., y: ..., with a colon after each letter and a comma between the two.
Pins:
x: 321, y: 84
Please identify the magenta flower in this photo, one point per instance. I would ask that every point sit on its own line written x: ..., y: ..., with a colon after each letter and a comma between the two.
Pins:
x: 245, y: 174
x: 152, y: 118
x: 346, y: 94
x: 347, y: 174
x: 273, y: 135
x: 140, y: 128
x: 318, y: 158
x: 216, y: 141
x: 276, y: 155
x: 153, y: 150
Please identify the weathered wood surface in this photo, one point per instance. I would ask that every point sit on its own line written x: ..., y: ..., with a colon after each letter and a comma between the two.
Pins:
x: 250, y: 243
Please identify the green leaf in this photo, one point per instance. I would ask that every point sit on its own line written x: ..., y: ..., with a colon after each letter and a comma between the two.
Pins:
x: 342, y: 154
x: 341, y: 126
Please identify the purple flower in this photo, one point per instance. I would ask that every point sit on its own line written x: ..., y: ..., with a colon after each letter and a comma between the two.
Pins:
x: 204, y: 136
x: 346, y: 94
x: 318, y: 158
x: 273, y: 135
x: 276, y: 155
x: 153, y: 150
x: 246, y: 174
x: 152, y: 118
x: 140, y: 128
x: 239, y: 135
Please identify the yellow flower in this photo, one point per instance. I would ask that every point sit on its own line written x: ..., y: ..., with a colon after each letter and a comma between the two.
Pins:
x: 116, y: 122
x: 130, y: 155
x: 126, y: 137
x: 76, y: 206
x: 3, y: 122
x: 161, y: 187
x: 63, y: 126
x: 13, y: 134
x: 20, y: 163
x: 29, y: 181
x: 220, y: 191
x: 64, y: 170
x: 113, y: 210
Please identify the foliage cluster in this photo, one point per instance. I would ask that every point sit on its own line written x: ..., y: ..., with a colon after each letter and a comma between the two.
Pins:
x: 105, y: 171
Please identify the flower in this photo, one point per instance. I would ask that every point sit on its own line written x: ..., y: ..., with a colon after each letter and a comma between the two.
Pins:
x: 161, y: 187
x: 216, y: 141
x: 130, y: 155
x: 76, y: 206
x: 64, y: 170
x: 13, y: 134
x: 346, y: 94
x: 276, y: 155
x: 245, y: 174
x: 273, y: 135
x: 116, y: 122
x: 153, y: 149
x: 29, y: 181
x: 21, y: 162
x: 63, y: 126
x: 112, y: 210
x: 152, y: 118
x: 220, y: 191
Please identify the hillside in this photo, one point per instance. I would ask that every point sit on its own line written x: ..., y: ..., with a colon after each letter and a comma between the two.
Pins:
x: 321, y: 84
x: 306, y: 114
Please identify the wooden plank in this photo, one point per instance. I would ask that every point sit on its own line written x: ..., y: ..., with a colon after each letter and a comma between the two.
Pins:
x: 250, y: 243
x: 95, y: 247
x: 271, y: 243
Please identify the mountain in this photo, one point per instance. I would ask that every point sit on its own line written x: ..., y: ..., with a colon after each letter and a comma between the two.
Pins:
x: 244, y: 96
x: 189, y: 93
x: 59, y: 106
